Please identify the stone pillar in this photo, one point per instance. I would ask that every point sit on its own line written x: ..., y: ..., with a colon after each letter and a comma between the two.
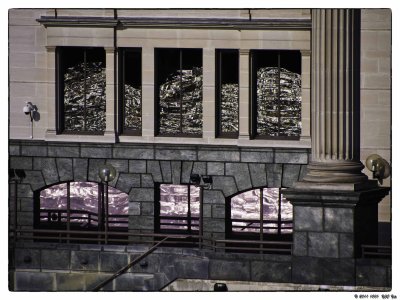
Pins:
x: 335, y: 206
x: 109, y: 133
x: 244, y: 95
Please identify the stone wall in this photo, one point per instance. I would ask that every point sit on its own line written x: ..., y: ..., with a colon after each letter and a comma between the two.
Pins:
x: 61, y: 267
x: 141, y: 167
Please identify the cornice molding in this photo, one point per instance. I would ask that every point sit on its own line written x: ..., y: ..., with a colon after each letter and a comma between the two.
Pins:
x: 187, y: 23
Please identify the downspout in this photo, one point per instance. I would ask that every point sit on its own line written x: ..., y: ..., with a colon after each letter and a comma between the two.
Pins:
x: 116, y: 113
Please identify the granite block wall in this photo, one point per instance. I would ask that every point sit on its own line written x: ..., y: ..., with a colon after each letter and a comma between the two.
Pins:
x: 140, y: 168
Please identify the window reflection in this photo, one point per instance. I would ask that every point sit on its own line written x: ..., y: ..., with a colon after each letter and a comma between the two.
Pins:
x: 277, y: 212
x: 180, y: 91
x: 179, y: 207
x: 84, y: 205
x: 277, y: 89
x: 82, y: 89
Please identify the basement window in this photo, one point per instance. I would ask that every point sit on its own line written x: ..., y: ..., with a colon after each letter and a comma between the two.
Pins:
x: 260, y: 212
x: 178, y: 208
x: 80, y: 206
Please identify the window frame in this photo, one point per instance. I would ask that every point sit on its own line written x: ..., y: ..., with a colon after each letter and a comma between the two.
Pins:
x: 121, y: 95
x: 59, y: 89
x: 59, y: 225
x: 218, y: 99
x: 261, y: 234
x: 157, y: 96
x: 158, y: 217
x: 253, y: 95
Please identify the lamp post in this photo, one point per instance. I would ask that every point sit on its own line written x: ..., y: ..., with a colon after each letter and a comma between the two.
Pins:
x: 106, y: 173
x: 201, y: 181
x: 16, y: 176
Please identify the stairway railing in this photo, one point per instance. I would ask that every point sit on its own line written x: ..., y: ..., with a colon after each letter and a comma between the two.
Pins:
x: 128, y: 266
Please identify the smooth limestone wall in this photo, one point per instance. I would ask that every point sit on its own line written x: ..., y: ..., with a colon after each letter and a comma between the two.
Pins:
x: 376, y: 108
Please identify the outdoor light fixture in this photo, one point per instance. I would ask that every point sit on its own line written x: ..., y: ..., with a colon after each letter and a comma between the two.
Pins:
x: 195, y: 179
x: 107, y: 173
x: 204, y: 181
x: 201, y: 181
x: 30, y: 109
x: 220, y: 287
x: 16, y: 174
x: 379, y: 167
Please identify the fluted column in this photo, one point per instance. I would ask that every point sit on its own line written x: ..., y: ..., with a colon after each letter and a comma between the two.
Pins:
x: 335, y: 97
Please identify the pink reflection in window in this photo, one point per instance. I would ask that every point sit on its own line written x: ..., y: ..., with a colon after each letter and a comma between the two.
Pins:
x: 174, y: 207
x: 245, y: 211
x: 84, y: 203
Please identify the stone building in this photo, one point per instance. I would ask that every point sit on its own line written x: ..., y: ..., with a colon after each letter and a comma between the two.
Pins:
x: 278, y: 108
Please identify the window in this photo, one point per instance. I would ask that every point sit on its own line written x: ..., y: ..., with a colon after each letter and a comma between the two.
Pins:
x: 130, y: 90
x: 178, y: 208
x: 179, y: 92
x: 260, y: 212
x: 81, y: 90
x: 227, y: 93
x: 79, y: 206
x: 276, y: 94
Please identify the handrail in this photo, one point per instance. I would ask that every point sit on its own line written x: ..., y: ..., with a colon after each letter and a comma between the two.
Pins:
x: 373, y: 250
x: 128, y: 266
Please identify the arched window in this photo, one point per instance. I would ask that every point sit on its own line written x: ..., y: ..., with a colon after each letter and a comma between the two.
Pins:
x: 80, y: 205
x: 260, y: 212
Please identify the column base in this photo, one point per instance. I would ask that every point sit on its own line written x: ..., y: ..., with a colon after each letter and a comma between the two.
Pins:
x: 329, y: 186
x: 334, y: 224
x: 335, y: 171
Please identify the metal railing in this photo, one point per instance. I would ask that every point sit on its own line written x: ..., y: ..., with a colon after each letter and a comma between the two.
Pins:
x: 111, y: 237
x: 128, y: 266
x: 155, y: 239
x: 79, y: 217
x: 179, y: 223
x: 263, y: 247
x: 375, y: 251
x: 251, y: 225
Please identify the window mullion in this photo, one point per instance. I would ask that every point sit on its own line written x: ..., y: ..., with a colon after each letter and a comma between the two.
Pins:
x: 84, y: 90
x: 189, y: 213
x: 68, y: 209
x: 180, y: 90
x: 279, y: 212
x: 261, y: 214
x: 279, y: 94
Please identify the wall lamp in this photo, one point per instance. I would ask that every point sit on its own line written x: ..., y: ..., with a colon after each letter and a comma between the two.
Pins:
x: 204, y: 181
x: 16, y: 174
x: 379, y: 167
x: 31, y: 110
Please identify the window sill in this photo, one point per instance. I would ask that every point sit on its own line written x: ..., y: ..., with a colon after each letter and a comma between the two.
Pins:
x: 303, y: 142
x: 107, y: 137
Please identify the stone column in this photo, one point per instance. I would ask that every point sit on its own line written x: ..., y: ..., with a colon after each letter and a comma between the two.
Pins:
x: 335, y: 96
x: 335, y: 206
